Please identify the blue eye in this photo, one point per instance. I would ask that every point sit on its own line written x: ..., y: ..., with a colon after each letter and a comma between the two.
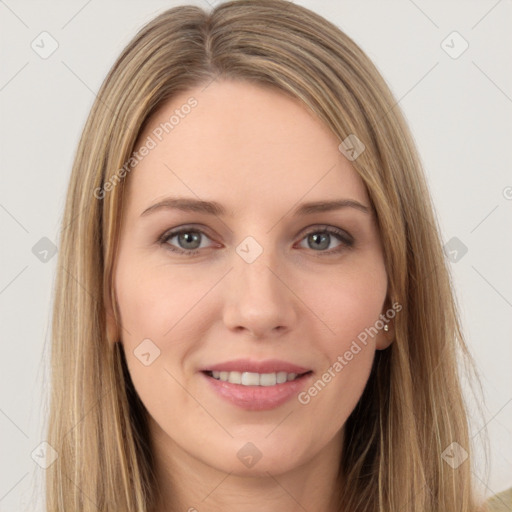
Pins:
x: 319, y: 237
x: 188, y: 237
x: 189, y: 240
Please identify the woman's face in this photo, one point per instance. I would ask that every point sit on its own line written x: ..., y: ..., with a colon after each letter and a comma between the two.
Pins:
x: 256, y: 288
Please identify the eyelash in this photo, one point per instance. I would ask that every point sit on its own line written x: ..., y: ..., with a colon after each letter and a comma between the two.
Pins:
x: 346, y: 241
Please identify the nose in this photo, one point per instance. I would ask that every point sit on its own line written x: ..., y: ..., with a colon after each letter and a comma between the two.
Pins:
x: 259, y: 298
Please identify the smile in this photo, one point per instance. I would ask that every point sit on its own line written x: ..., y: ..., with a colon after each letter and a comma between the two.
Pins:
x: 256, y: 386
x: 254, y: 379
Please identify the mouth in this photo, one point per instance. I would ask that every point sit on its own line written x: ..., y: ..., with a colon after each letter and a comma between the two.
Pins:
x: 256, y: 386
x: 254, y: 378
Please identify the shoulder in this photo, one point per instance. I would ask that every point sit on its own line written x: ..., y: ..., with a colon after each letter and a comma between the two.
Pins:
x: 501, y: 502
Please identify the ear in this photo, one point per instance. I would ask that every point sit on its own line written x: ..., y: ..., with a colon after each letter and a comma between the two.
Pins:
x: 113, y: 335
x: 385, y: 338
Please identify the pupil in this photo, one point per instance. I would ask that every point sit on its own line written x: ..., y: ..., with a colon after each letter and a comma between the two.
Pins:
x: 189, y: 238
x: 317, y: 237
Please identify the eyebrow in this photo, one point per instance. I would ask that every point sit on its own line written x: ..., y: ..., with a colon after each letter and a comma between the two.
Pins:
x: 214, y: 208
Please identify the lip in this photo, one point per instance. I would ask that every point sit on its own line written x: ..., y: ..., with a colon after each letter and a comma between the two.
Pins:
x: 247, y: 365
x: 257, y: 398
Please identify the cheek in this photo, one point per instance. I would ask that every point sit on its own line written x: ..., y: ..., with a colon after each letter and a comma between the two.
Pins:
x: 166, y: 306
x: 349, y: 303
x: 157, y: 305
x: 347, y: 356
x: 349, y: 306
x: 153, y: 301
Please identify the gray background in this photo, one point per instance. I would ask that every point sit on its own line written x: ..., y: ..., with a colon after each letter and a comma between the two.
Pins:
x: 459, y: 110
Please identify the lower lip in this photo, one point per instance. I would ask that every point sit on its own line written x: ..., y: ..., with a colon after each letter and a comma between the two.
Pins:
x: 258, y: 398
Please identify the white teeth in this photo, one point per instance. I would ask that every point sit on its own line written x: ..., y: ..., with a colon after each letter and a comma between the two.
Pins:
x: 235, y: 377
x: 250, y: 379
x: 268, y: 379
x: 281, y: 377
x: 254, y: 379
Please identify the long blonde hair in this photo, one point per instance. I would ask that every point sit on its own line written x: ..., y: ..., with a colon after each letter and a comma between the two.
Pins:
x: 412, y: 408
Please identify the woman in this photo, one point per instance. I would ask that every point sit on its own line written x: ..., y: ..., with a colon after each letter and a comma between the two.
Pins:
x: 301, y: 353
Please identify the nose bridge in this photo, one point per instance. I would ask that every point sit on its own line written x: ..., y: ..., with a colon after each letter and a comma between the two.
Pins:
x: 256, y: 264
x: 259, y: 299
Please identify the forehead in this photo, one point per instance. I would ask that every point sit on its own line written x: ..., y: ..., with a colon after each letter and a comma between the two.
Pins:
x: 241, y: 144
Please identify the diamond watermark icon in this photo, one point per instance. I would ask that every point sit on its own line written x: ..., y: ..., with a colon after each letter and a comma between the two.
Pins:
x: 351, y: 147
x: 44, y: 45
x: 454, y: 45
x: 146, y: 352
x: 454, y: 455
x: 455, y: 250
x: 249, y: 249
x: 44, y: 250
x: 249, y: 455
x: 44, y: 455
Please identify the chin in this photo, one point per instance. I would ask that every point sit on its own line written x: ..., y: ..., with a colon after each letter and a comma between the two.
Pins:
x: 260, y: 455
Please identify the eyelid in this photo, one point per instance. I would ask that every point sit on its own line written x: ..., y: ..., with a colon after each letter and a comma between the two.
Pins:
x: 328, y: 228
x: 171, y: 233
x: 346, y: 240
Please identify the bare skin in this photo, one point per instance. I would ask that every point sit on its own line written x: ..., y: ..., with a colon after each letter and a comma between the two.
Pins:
x: 303, y: 300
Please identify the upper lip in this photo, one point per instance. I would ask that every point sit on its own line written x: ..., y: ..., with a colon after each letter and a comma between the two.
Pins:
x: 248, y: 365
